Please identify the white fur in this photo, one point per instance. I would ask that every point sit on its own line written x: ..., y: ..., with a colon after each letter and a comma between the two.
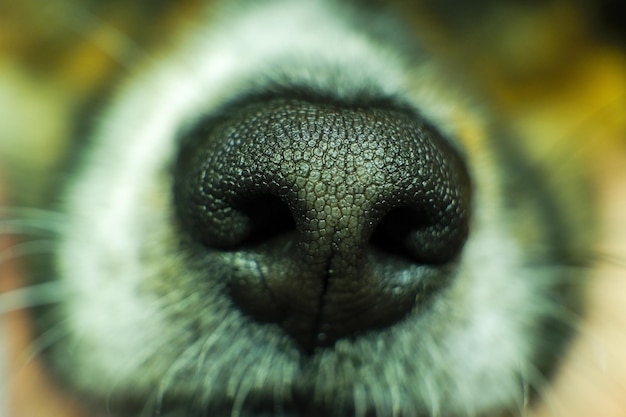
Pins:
x: 122, y: 214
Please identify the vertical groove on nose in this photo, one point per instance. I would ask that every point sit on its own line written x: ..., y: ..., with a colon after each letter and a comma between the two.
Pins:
x: 351, y: 212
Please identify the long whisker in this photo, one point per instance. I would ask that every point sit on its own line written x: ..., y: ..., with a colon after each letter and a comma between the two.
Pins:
x: 30, y: 221
x: 28, y: 227
x: 44, y: 341
x: 536, y: 380
x: 30, y: 212
x: 19, y: 250
x: 32, y: 296
x: 117, y: 44
x: 608, y: 258
x: 561, y: 146
x: 86, y: 24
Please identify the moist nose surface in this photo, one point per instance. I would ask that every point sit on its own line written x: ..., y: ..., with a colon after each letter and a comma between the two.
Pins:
x: 331, y: 220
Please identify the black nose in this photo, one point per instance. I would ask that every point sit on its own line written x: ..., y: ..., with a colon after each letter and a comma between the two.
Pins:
x: 327, y: 219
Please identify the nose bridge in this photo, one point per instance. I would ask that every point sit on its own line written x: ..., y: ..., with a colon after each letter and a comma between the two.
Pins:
x: 342, y: 171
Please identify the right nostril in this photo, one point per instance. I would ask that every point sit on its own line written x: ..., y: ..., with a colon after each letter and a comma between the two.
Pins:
x: 393, y: 232
x: 418, y: 236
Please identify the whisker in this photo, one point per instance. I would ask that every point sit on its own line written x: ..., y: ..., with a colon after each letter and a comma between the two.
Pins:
x: 117, y: 44
x: 609, y: 259
x: 30, y: 212
x: 92, y: 25
x: 535, y: 379
x: 187, y: 356
x: 29, y: 226
x: 43, y: 341
x: 561, y: 146
x: 139, y: 360
x: 32, y: 296
x: 26, y: 249
x: 31, y: 221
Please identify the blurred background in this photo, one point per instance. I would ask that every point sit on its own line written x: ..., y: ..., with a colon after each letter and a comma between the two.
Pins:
x: 546, y: 68
x: 553, y: 74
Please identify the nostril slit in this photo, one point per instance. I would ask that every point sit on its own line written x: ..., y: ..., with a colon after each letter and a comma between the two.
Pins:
x: 394, y: 231
x: 269, y: 217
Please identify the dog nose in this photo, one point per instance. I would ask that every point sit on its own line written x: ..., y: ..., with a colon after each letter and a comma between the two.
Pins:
x: 327, y: 219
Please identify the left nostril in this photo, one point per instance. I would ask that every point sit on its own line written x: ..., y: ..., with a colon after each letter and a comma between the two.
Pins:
x: 268, y: 217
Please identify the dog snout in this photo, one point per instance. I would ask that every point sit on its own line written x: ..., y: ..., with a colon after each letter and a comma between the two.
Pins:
x: 330, y: 220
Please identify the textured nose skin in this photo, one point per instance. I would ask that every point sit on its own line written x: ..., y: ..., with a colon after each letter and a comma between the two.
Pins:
x: 330, y: 220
